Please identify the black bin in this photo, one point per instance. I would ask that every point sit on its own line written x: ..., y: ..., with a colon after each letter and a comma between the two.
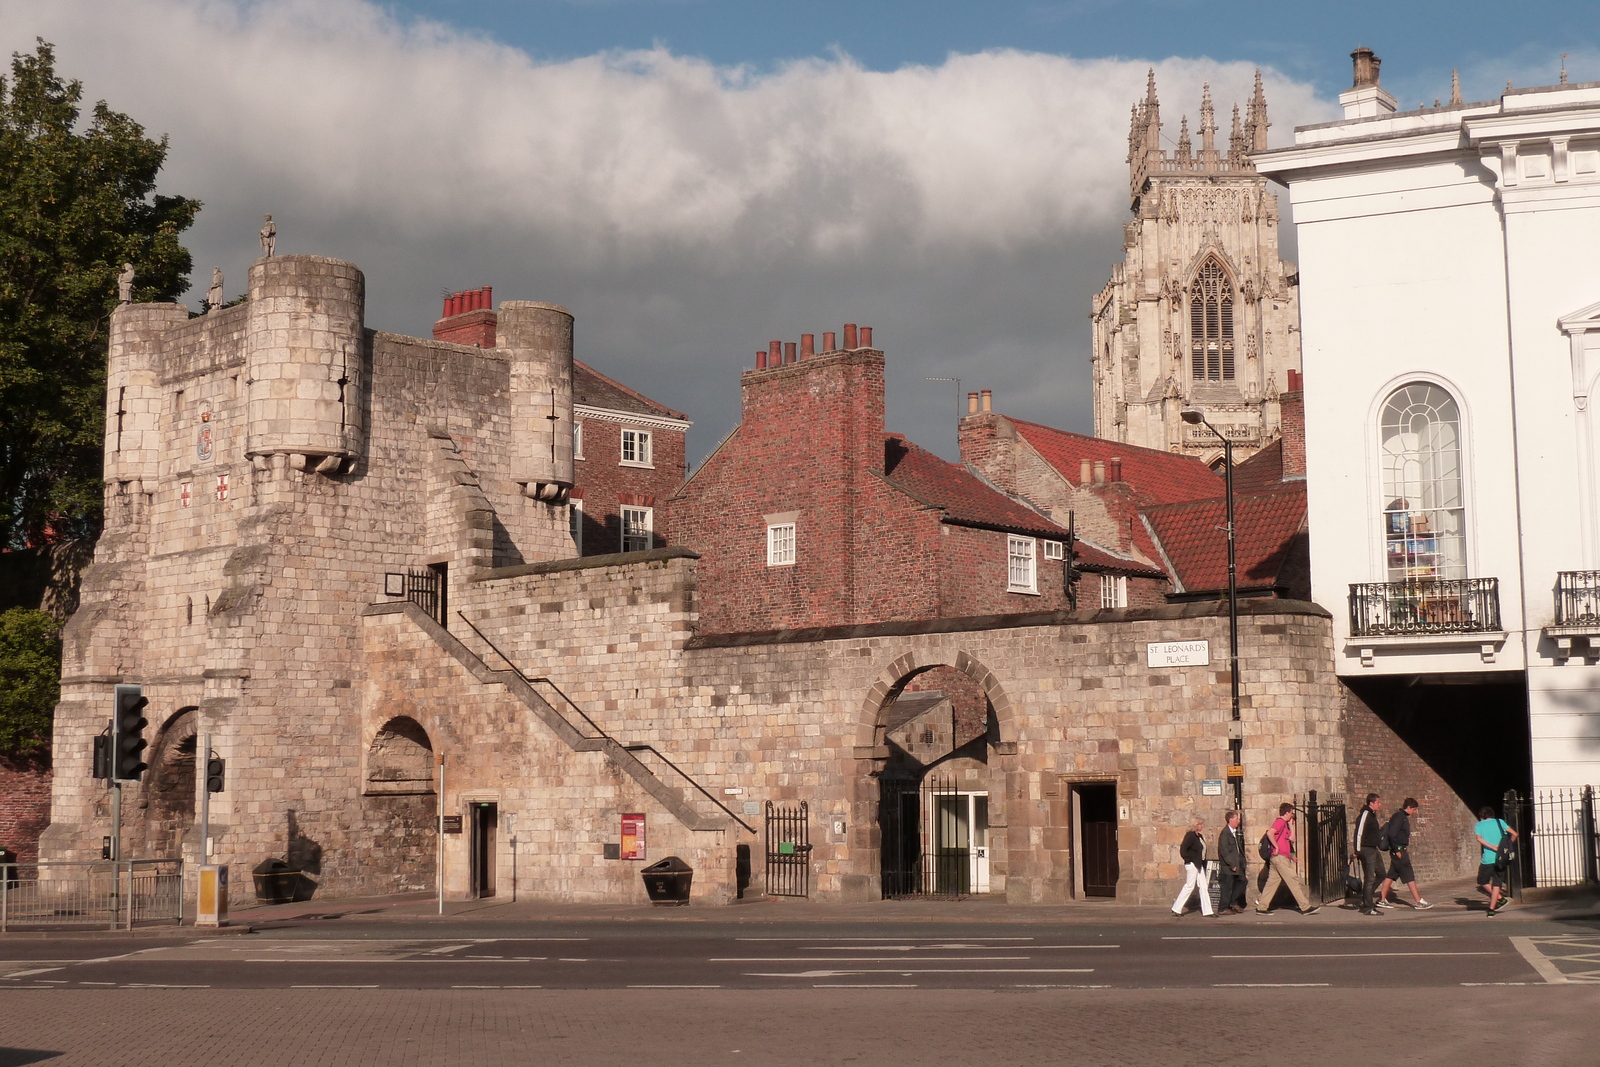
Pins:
x: 667, y: 882
x: 275, y: 882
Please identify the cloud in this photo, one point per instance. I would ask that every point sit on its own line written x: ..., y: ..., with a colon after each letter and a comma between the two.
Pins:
x: 686, y: 212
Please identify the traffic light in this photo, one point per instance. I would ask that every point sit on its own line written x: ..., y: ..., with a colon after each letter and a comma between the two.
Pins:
x: 127, y: 734
x: 102, y: 754
x: 215, y: 766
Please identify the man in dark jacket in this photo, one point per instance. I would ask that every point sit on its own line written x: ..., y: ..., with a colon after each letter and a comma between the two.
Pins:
x: 1230, y: 853
x: 1368, y: 827
x: 1399, y: 834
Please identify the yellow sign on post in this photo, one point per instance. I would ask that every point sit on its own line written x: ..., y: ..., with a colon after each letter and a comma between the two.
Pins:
x: 213, y: 905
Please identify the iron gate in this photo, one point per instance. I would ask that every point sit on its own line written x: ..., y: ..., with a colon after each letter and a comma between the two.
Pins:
x: 900, y: 836
x: 928, y: 843
x: 1559, y: 838
x: 425, y: 589
x: 788, y: 850
x: 1327, y: 847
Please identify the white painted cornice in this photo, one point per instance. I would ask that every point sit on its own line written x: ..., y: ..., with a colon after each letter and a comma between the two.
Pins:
x: 632, y: 418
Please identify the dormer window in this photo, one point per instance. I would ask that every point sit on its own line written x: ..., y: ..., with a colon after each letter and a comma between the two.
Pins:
x: 1211, y: 324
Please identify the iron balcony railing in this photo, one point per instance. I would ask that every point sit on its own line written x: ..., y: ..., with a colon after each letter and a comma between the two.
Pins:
x: 1578, y: 598
x: 1425, y: 606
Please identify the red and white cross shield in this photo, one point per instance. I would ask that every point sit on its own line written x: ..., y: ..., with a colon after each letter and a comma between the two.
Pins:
x: 184, y: 496
x: 222, y: 487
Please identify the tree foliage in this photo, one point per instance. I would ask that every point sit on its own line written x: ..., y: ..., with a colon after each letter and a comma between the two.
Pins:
x: 30, y: 680
x: 77, y: 200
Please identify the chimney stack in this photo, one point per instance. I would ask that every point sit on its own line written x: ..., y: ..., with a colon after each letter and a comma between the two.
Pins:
x: 789, y: 352
x: 761, y: 359
x: 866, y: 337
x: 468, y: 318
x: 849, y: 336
x: 1085, y: 473
x: 1365, y: 99
x: 808, y: 345
x: 828, y: 343
x: 987, y: 403
x: 1292, y: 427
x: 972, y: 403
x: 1114, y: 468
x: 1099, y: 472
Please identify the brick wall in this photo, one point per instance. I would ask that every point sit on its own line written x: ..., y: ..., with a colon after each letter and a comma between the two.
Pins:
x: 24, y: 805
x: 1381, y: 762
x: 1292, y: 408
x: 603, y: 481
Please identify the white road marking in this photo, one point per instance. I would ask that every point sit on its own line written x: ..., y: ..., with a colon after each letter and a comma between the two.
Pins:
x: 97, y: 983
x: 333, y: 987
x: 875, y: 985
x: 161, y: 985
x: 858, y: 959
x: 925, y: 970
x: 1492, y: 983
x: 1341, y: 955
x: 442, y: 949
x: 879, y: 939
x: 572, y: 959
x: 411, y: 960
x: 1269, y: 985
x: 36, y: 970
x: 1060, y: 986
x: 1539, y: 962
x: 674, y: 987
x: 1304, y: 937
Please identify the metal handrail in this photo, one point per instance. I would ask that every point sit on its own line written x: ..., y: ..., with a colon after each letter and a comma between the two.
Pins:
x: 603, y: 736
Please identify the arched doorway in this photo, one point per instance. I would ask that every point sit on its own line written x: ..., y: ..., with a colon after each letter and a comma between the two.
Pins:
x: 938, y: 732
x: 169, y: 795
x: 400, y: 803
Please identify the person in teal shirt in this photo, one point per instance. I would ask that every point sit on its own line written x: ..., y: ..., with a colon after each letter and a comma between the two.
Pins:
x: 1491, y: 831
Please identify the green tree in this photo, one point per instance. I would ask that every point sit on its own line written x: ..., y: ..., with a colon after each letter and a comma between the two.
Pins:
x: 30, y: 680
x: 77, y: 200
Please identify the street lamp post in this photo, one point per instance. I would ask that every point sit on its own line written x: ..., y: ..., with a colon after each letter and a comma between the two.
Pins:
x: 1195, y: 417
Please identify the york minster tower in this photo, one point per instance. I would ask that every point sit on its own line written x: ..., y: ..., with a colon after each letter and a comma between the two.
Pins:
x: 1201, y: 310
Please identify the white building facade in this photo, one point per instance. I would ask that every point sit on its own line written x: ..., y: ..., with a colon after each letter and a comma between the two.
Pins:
x: 1450, y: 309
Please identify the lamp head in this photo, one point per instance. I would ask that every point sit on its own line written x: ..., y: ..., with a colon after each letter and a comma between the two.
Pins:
x: 1193, y: 416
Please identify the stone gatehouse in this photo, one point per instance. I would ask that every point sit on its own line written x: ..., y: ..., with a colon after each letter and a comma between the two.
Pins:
x: 343, y: 558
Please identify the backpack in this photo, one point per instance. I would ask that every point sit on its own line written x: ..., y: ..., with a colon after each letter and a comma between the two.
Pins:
x: 1265, y: 847
x: 1506, y: 854
x: 1383, y: 839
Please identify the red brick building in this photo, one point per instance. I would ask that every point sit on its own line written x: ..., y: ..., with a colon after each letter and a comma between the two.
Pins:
x: 628, y: 451
x: 810, y: 514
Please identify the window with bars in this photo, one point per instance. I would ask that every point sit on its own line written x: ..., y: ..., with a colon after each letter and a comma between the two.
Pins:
x: 575, y: 523
x: 1211, y: 324
x: 1113, y: 591
x: 780, y: 544
x: 636, y: 447
x: 1424, y: 514
x: 636, y: 524
x: 1021, y: 575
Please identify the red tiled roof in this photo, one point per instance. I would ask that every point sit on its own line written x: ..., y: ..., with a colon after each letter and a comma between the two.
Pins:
x: 1161, y: 477
x: 1261, y: 473
x: 1191, y: 537
x: 1091, y: 556
x: 965, y: 499
x: 591, y: 387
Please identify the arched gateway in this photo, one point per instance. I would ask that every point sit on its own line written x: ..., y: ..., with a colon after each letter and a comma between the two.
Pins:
x: 936, y: 729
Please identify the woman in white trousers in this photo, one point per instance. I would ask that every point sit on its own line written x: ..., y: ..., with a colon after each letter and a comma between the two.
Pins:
x: 1195, y: 868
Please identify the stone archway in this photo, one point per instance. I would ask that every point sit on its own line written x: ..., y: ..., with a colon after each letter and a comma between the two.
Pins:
x: 400, y: 759
x: 169, y: 795
x: 936, y: 733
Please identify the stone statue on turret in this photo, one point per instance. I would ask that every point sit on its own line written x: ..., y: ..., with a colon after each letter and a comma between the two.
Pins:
x: 125, y: 284
x: 214, y: 294
x: 269, y: 237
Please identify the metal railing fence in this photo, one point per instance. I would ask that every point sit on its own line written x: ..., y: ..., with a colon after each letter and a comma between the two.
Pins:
x: 1560, y: 845
x: 116, y: 894
x: 1577, y: 598
x: 1425, y: 606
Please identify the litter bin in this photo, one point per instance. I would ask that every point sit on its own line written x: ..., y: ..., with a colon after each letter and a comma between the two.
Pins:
x: 667, y: 882
x: 275, y: 882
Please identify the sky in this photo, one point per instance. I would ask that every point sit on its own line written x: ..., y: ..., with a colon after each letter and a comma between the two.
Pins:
x: 693, y: 178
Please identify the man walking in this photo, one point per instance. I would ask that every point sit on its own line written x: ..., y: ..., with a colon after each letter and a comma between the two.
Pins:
x: 1399, y: 834
x: 1230, y: 853
x: 1368, y: 827
x: 1491, y: 832
x: 1282, y: 865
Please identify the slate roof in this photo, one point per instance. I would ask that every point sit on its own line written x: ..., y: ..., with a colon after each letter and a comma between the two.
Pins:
x: 1160, y: 477
x: 909, y: 705
x: 1093, y: 557
x: 594, y: 389
x: 1190, y: 537
x: 965, y: 499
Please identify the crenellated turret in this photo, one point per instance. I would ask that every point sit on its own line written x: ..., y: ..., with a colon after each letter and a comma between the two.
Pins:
x: 537, y: 338
x: 303, y: 349
x: 133, y: 398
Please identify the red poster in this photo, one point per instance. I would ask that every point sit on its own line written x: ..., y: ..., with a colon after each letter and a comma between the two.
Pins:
x: 632, y: 836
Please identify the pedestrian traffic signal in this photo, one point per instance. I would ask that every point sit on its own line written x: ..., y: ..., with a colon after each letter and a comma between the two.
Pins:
x: 127, y: 734
x: 215, y: 766
x: 102, y: 754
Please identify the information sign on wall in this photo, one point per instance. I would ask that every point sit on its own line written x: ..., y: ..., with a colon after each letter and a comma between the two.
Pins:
x: 1211, y: 787
x: 452, y: 824
x: 1177, y: 653
x: 632, y: 836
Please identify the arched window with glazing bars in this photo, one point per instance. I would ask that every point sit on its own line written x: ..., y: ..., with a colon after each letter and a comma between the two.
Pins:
x: 1211, y: 324
x: 1424, y: 513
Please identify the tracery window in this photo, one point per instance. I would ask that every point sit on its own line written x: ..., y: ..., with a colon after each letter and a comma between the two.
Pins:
x: 1424, y: 514
x: 1211, y: 324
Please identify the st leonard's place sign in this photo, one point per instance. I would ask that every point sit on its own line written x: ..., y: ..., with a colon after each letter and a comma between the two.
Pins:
x: 1177, y: 653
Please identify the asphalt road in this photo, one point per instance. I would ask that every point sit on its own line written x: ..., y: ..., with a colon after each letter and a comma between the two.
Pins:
x: 1191, y: 954
x: 1443, y: 992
